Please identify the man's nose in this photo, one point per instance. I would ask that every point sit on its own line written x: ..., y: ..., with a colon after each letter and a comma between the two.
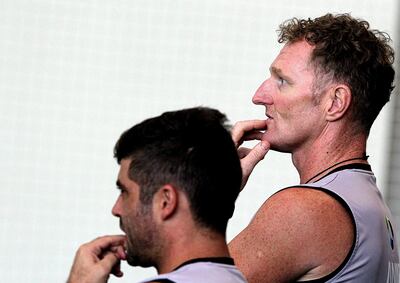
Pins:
x: 115, y: 209
x: 261, y: 95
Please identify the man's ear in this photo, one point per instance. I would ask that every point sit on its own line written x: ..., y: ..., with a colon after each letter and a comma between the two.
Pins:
x: 165, y: 201
x: 339, y: 99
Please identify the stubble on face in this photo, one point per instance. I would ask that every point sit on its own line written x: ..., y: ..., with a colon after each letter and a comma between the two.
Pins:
x: 143, y: 244
x: 294, y: 101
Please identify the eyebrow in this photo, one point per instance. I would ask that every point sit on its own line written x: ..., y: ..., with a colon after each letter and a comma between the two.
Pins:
x: 276, y: 71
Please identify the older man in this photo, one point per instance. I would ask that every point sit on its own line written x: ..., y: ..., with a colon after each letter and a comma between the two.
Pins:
x: 327, y: 86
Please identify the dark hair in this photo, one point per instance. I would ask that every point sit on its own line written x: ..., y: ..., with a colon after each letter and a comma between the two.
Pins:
x: 192, y: 150
x: 349, y: 51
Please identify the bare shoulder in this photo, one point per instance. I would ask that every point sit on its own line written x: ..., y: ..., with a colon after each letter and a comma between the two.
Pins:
x: 297, y: 233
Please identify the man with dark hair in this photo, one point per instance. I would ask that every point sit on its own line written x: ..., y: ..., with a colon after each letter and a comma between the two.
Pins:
x: 179, y: 179
x: 327, y: 86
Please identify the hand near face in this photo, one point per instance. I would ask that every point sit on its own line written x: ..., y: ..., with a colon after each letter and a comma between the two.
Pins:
x: 96, y: 260
x: 246, y: 131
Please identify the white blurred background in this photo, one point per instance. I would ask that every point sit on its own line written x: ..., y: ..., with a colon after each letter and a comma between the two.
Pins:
x: 75, y: 74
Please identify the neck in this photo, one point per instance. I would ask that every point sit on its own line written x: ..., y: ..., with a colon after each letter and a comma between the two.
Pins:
x: 183, y: 247
x: 325, y: 155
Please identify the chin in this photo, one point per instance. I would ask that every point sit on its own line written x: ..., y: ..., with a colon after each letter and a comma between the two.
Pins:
x: 266, y: 136
x: 269, y: 137
x: 277, y: 146
x: 137, y: 260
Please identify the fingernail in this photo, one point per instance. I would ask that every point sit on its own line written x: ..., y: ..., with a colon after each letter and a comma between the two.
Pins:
x: 264, y: 144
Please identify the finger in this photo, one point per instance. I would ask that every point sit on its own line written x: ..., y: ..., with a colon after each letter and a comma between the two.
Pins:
x: 248, y: 125
x: 243, y: 127
x: 108, y: 262
x: 243, y: 151
x: 110, y: 240
x: 253, y: 156
x: 116, y: 270
x: 119, y: 251
x: 104, y: 243
x: 256, y: 154
x: 254, y: 135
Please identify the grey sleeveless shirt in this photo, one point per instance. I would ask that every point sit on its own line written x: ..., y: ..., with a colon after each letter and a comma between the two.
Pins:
x: 374, y: 256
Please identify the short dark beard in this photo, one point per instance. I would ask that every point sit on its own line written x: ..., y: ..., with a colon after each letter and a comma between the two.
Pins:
x: 144, y: 251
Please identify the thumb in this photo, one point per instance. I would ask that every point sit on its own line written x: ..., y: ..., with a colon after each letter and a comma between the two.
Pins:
x: 255, y: 155
x: 260, y: 150
x: 108, y: 262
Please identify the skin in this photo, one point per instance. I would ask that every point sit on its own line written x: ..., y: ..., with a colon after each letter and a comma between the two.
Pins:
x: 96, y: 260
x: 288, y: 98
x: 137, y: 221
x: 317, y: 230
x: 157, y: 234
